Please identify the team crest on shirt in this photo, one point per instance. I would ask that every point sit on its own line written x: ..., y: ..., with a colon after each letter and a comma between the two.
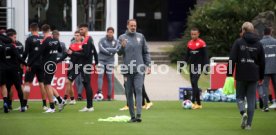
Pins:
x: 138, y: 39
x: 243, y: 47
x: 36, y: 48
x: 197, y: 44
x: 113, y: 43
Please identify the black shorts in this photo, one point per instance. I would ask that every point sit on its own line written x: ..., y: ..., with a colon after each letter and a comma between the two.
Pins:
x: 48, y: 77
x: 13, y: 78
x: 49, y: 74
x: 37, y: 71
x: 72, y: 75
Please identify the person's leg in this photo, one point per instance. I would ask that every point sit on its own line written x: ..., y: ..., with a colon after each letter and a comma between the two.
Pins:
x: 126, y: 106
x: 138, y: 85
x: 101, y: 71
x: 194, y: 76
x: 5, y: 97
x: 39, y: 72
x: 240, y: 95
x: 29, y: 76
x: 263, y: 91
x: 273, y: 79
x: 241, y: 89
x: 109, y: 74
x: 88, y: 89
x: 50, y: 95
x: 9, y: 84
x: 129, y: 94
x: 145, y: 95
x: 18, y: 87
x: 251, y: 100
x: 68, y: 87
x: 79, y: 86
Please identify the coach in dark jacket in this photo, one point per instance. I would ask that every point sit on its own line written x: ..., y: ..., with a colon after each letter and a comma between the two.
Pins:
x: 248, y: 60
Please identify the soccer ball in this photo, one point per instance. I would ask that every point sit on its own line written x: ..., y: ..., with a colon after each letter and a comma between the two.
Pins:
x: 99, y: 97
x: 187, y: 104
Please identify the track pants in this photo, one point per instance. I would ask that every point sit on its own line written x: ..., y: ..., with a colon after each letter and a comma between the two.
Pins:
x: 246, y: 90
x: 136, y: 81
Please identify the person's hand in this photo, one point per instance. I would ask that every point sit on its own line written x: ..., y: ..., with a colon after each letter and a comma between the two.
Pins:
x: 21, y: 66
x: 28, y: 68
x: 69, y: 52
x: 123, y: 42
x: 148, y: 70
x: 260, y: 82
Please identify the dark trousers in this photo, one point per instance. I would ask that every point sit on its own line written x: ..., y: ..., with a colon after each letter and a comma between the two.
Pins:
x: 246, y: 90
x: 195, y: 72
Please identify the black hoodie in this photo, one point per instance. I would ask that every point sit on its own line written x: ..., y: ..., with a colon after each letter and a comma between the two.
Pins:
x: 248, y: 59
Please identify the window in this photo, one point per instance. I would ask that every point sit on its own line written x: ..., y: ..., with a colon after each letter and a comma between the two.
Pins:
x: 93, y: 13
x: 56, y: 13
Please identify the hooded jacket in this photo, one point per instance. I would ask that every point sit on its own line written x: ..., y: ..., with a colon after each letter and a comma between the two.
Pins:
x: 247, y: 58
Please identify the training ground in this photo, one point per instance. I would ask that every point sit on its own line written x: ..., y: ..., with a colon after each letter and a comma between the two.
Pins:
x: 164, y: 118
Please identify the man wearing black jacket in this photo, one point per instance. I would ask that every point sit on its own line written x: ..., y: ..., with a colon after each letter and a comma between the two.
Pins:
x: 3, y: 67
x: 87, y: 50
x: 248, y: 59
x: 49, y: 49
x: 14, y: 72
x: 32, y: 47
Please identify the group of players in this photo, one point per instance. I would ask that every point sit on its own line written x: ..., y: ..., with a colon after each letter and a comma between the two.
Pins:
x: 40, y: 50
x: 47, y: 49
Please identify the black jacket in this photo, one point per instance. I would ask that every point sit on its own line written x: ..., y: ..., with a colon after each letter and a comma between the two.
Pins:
x: 248, y: 59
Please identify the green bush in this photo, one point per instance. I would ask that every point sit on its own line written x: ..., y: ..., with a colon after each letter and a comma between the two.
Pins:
x: 219, y: 22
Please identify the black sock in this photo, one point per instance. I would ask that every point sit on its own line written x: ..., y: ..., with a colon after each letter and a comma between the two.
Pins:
x: 138, y: 116
x: 65, y: 97
x: 44, y: 103
x: 25, y: 102
x: 72, y: 98
x: 9, y: 102
x: 52, y: 105
x: 242, y: 112
x: 5, y: 100
x: 59, y: 99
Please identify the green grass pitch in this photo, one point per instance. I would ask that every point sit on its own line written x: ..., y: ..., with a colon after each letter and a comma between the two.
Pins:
x: 164, y: 118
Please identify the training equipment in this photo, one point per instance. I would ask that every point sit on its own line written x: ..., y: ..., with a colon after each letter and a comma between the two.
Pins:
x: 99, y: 97
x: 187, y: 104
x: 115, y: 119
x: 229, y: 86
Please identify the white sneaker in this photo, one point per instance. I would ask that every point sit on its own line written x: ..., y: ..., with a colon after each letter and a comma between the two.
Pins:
x: 50, y: 110
x: 247, y: 127
x: 273, y: 106
x: 85, y: 109
x: 67, y: 101
x: 45, y: 108
x: 149, y: 105
x: 61, y: 105
x: 72, y: 102
x: 244, y: 120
